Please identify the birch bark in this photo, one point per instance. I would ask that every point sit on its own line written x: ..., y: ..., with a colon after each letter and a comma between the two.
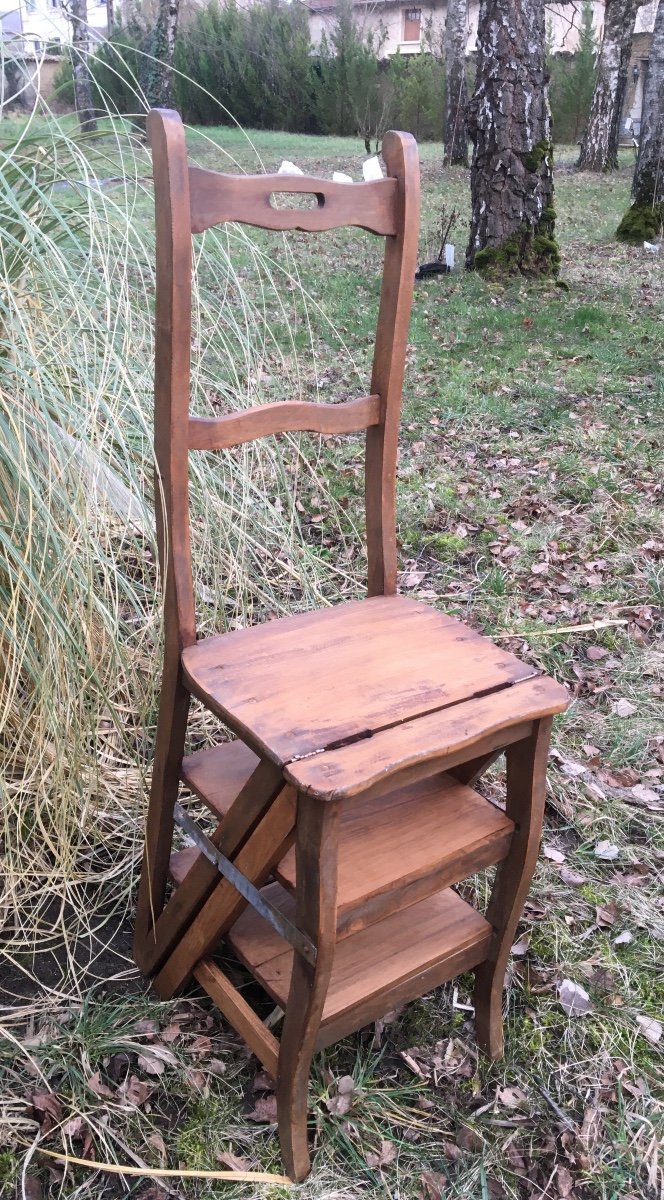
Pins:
x: 513, y: 219
x: 78, y: 15
x: 160, y: 82
x: 455, y: 136
x: 599, y: 148
x: 644, y: 220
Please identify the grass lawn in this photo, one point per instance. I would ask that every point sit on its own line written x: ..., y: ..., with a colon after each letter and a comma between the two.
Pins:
x: 530, y: 505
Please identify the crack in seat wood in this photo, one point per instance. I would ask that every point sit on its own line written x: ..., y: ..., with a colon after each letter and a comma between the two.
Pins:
x: 344, y: 812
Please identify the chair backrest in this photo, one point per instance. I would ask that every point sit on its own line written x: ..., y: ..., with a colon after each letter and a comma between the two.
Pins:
x: 189, y: 200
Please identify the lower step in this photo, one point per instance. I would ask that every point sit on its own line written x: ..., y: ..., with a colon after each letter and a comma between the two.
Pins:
x: 393, y: 961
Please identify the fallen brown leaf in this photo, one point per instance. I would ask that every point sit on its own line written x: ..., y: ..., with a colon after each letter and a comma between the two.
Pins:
x: 432, y: 1185
x: 262, y: 1082
x: 469, y: 1139
x: 382, y: 1157
x: 158, y: 1144
x: 233, y: 1161
x: 574, y: 999
x: 623, y: 708
x: 512, y: 1097
x: 342, y: 1101
x: 74, y: 1128
x: 605, y: 915
x: 47, y: 1109
x: 171, y: 1032
x: 571, y: 877
x: 94, y: 1083
x: 155, y: 1059
x: 564, y: 1182
x: 551, y: 853
x: 136, y: 1091
x: 264, y: 1111
x: 650, y: 1028
x: 606, y: 851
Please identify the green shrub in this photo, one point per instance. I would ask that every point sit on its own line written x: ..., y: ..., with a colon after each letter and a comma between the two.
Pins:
x: 255, y: 63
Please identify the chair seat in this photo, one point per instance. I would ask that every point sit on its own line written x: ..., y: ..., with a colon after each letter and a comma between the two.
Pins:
x: 320, y: 681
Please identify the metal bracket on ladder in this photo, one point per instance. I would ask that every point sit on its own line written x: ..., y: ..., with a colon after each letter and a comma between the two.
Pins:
x: 298, y: 940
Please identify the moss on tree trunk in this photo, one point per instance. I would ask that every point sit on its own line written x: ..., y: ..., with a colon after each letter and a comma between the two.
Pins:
x: 513, y: 218
x: 645, y: 219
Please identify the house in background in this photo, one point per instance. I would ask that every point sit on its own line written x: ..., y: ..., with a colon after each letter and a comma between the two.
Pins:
x: 410, y: 29
x: 35, y: 26
x: 404, y: 26
x: 32, y: 34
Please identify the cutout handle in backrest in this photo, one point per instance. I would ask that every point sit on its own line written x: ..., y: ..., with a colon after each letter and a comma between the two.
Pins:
x: 215, y: 198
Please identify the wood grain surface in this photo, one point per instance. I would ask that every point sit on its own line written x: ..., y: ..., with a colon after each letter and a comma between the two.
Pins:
x: 220, y: 433
x: 302, y: 684
x: 216, y: 197
x: 376, y: 965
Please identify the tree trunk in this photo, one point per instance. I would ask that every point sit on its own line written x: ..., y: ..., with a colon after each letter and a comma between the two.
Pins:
x: 512, y: 227
x: 81, y: 66
x: 160, y: 81
x: 456, y: 91
x: 645, y: 219
x: 599, y: 148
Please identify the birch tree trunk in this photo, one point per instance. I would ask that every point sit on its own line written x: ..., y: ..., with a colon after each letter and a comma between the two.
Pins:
x: 645, y: 219
x: 160, y: 80
x: 455, y: 134
x: 78, y: 15
x: 512, y: 226
x: 599, y: 148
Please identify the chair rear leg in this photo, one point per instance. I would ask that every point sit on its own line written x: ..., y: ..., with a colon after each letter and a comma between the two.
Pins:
x: 169, y: 751
x: 526, y: 795
x: 316, y: 916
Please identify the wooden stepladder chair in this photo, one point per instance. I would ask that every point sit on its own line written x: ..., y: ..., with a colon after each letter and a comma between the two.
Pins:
x: 345, y: 808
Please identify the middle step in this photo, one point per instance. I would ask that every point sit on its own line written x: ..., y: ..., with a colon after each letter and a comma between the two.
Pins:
x: 394, y: 850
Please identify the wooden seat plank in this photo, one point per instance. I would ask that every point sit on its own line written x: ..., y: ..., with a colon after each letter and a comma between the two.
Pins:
x: 375, y: 968
x: 299, y: 685
x: 437, y: 741
x: 396, y: 849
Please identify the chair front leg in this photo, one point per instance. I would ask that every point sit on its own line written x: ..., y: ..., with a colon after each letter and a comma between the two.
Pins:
x: 316, y: 916
x: 526, y: 795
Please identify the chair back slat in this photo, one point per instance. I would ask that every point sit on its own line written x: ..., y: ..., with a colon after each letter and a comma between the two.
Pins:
x: 215, y: 198
x: 286, y: 416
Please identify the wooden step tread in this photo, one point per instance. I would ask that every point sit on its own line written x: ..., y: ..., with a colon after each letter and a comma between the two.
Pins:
x: 218, y: 773
x: 401, y: 957
x: 398, y: 848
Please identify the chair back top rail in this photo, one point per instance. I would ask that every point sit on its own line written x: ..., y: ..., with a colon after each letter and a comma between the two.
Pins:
x: 285, y: 416
x: 215, y: 197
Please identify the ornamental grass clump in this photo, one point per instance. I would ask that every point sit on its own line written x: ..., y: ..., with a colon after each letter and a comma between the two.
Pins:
x: 79, y: 582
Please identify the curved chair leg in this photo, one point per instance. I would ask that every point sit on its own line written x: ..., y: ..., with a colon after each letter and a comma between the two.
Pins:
x: 526, y: 795
x: 169, y: 750
x: 316, y: 915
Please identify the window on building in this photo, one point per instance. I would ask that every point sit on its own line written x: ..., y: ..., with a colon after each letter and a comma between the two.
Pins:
x: 37, y: 45
x: 412, y: 24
